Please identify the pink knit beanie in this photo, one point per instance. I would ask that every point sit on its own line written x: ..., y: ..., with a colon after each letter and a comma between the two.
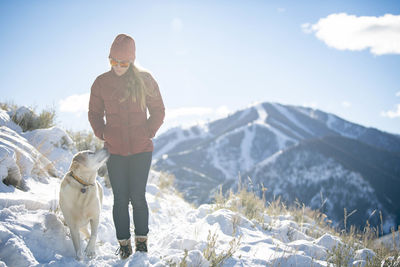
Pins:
x: 123, y: 48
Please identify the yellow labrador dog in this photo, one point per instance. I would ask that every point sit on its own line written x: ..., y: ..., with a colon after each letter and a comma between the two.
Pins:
x: 81, y: 198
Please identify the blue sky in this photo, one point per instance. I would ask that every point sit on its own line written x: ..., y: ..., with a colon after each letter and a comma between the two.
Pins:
x: 209, y: 57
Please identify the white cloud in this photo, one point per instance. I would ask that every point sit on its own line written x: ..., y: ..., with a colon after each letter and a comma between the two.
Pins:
x: 177, y: 25
x: 189, y: 116
x: 188, y: 111
x: 222, y: 111
x: 196, y: 112
x: 75, y: 103
x: 346, y: 104
x: 392, y: 113
x: 348, y: 32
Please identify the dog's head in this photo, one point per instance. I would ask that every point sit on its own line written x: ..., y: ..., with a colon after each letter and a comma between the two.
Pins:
x: 89, y: 161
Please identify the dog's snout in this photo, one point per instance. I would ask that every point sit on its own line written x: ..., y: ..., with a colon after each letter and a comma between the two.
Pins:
x: 104, y: 151
x: 102, y: 154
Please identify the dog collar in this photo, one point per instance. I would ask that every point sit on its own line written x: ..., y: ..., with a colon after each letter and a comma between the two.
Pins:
x: 83, y: 190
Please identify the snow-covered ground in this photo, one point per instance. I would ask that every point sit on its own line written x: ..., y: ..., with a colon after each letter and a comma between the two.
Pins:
x: 32, y: 231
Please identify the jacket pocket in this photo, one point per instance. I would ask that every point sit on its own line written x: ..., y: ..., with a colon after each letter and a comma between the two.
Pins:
x: 148, y: 132
x: 139, y: 132
x: 143, y: 132
x: 112, y: 136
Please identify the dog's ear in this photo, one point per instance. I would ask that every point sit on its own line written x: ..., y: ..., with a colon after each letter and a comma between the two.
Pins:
x: 79, y: 158
x: 74, y: 166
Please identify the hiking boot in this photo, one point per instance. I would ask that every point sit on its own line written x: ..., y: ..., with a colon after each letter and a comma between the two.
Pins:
x: 141, y: 243
x: 125, y: 248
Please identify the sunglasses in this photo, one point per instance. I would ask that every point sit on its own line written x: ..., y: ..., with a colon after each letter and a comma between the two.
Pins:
x: 122, y: 64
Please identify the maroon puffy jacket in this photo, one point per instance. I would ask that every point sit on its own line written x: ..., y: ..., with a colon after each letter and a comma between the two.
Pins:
x: 127, y: 129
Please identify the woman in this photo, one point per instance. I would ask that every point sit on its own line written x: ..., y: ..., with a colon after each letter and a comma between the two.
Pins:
x: 123, y: 95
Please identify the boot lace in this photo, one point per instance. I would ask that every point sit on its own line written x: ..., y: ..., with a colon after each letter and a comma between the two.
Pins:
x: 123, y: 251
x: 141, y: 246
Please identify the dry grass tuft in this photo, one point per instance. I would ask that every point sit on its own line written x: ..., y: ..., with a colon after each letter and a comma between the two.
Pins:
x: 253, y: 207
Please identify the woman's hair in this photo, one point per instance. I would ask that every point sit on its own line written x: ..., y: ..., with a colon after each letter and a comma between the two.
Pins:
x: 136, y: 87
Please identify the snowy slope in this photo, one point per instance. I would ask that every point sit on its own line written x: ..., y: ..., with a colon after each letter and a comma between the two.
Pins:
x: 55, y: 144
x: 5, y: 120
x: 32, y: 233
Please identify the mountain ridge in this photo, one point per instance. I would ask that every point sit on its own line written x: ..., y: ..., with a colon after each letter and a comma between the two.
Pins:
x: 207, y: 157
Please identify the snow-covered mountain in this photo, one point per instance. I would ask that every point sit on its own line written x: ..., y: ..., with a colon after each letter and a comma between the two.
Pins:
x: 289, y: 147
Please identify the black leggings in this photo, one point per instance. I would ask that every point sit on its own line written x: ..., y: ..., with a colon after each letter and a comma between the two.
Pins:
x: 128, y: 177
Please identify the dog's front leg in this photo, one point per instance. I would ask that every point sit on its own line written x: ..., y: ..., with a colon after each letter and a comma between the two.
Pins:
x: 76, y: 240
x: 91, y: 246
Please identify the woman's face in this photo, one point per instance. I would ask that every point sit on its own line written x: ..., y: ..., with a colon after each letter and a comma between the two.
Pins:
x: 119, y: 67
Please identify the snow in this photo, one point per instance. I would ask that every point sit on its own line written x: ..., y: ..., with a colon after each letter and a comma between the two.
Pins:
x: 344, y: 128
x: 390, y: 240
x: 247, y: 161
x: 217, y: 158
x: 32, y: 232
x: 8, y: 165
x: 202, y: 131
x: 270, y: 160
x: 262, y: 114
x: 32, y: 229
x: 5, y: 120
x: 217, y: 154
x: 363, y: 254
x: 291, y: 117
x: 328, y: 241
x: 20, y: 112
x: 30, y: 161
x: 281, y: 138
x: 297, y: 134
x: 55, y: 144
